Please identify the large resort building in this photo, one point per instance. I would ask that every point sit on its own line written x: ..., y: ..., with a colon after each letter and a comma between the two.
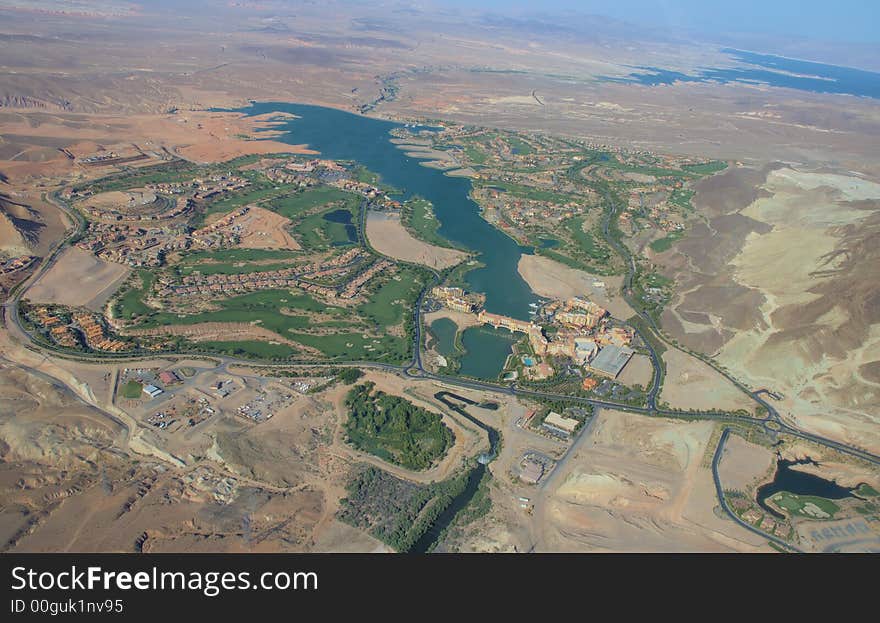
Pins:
x: 581, y: 330
x: 457, y: 299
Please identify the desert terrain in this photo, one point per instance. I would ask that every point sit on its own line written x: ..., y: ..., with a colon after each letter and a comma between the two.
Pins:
x: 637, y: 484
x: 693, y: 384
x: 262, y: 229
x: 638, y: 371
x: 79, y: 278
x: 70, y: 485
x: 779, y: 285
x: 745, y: 465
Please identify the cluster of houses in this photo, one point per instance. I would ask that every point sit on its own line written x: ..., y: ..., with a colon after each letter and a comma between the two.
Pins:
x: 95, y: 336
x: 146, y: 247
x: 203, y: 188
x: 339, y: 266
x: 180, y: 207
x: 666, y: 217
x: 59, y: 331
x: 16, y: 263
x: 85, y: 324
x: 351, y: 289
x: 525, y: 212
x: 224, y: 230
x: 131, y: 244
x: 245, y: 282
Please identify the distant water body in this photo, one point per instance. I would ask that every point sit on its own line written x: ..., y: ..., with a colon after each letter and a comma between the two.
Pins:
x: 341, y: 135
x: 775, y: 71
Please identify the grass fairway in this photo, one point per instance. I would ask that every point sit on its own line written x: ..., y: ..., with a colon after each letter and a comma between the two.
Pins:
x: 475, y: 155
x: 295, y: 205
x: 806, y: 505
x: 580, y: 248
x: 867, y: 491
x: 585, y: 241
x: 249, y: 349
x: 131, y: 303
x: 664, y: 244
x: 357, y: 346
x: 235, y: 261
x: 344, y: 339
x: 226, y: 268
x: 334, y: 227
x: 534, y: 194
x: 682, y: 197
x: 519, y: 146
x: 238, y: 255
x: 263, y: 308
x: 706, y: 168
x: 388, y: 304
x: 261, y: 189
x: 132, y: 390
x: 419, y: 217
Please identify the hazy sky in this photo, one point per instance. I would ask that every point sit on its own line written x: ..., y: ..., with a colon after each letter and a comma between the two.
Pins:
x: 830, y: 20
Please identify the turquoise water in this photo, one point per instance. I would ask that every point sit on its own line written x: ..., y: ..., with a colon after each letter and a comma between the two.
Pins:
x: 345, y: 136
x: 528, y: 361
x: 776, y: 71
x: 487, y: 349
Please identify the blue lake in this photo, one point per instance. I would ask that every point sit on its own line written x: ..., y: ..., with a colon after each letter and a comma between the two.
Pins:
x: 799, y: 483
x: 776, y: 71
x: 444, y: 330
x: 487, y: 350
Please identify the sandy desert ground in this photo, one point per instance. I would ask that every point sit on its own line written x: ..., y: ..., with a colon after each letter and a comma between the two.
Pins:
x: 551, y: 279
x: 745, y: 465
x: 28, y: 223
x: 693, y: 384
x: 264, y: 229
x: 221, y: 331
x: 69, y: 484
x: 388, y: 236
x: 75, y: 477
x: 200, y: 136
x: 78, y: 278
x: 638, y: 484
x: 638, y: 371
